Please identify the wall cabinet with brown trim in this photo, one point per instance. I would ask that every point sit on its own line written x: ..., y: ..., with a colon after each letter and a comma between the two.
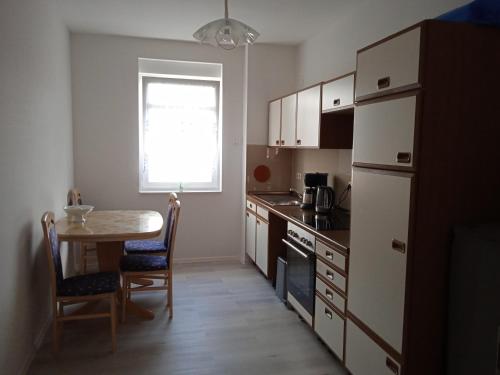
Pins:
x: 274, y: 138
x: 304, y: 123
x: 422, y: 145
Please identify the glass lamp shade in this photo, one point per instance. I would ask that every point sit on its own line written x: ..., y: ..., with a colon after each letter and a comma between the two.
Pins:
x: 226, y: 33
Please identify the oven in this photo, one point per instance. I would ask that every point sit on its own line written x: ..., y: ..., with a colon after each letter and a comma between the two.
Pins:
x: 301, y: 271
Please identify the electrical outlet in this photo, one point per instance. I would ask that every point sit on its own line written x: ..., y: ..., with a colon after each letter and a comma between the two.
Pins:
x: 298, y: 176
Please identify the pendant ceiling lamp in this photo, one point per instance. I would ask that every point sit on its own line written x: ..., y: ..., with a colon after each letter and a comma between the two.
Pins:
x: 226, y: 33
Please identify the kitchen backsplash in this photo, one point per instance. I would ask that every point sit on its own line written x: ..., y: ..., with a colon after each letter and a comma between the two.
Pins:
x: 279, y: 164
x: 337, y: 163
x: 287, y: 168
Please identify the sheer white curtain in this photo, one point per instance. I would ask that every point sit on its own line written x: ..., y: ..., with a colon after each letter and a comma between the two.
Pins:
x: 180, y: 135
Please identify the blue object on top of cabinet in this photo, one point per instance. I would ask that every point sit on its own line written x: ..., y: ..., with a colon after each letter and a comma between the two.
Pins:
x: 481, y: 12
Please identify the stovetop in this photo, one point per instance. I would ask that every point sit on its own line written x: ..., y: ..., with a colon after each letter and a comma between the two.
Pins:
x: 337, y: 219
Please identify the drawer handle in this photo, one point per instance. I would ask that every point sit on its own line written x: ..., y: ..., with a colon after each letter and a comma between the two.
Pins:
x: 282, y: 142
x: 299, y: 141
x: 251, y: 206
x: 398, y: 246
x: 404, y: 157
x: 329, y: 255
x: 328, y: 313
x: 329, y: 275
x: 392, y: 365
x: 336, y: 102
x: 277, y: 142
x: 383, y: 83
x: 329, y: 294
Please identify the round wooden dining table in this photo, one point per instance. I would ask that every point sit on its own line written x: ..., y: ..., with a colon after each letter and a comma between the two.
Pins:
x: 109, y: 230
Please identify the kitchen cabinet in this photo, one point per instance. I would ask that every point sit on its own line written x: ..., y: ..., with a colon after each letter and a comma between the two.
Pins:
x: 261, y: 246
x: 288, y: 120
x: 331, y: 292
x: 250, y: 239
x: 300, y: 120
x: 274, y: 138
x: 420, y: 142
x: 308, y: 117
x: 338, y: 94
x: 377, y: 270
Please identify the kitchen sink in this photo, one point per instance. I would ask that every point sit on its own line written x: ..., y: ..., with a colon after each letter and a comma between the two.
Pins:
x: 280, y: 199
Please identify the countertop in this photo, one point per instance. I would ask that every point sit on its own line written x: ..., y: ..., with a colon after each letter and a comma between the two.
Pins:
x: 336, y: 238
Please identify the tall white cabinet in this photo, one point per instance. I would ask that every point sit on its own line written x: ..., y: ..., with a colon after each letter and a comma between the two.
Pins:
x: 420, y: 137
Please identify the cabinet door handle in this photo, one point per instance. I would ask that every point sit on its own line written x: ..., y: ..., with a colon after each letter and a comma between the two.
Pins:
x: 403, y: 157
x: 392, y: 365
x: 398, y: 246
x: 258, y: 222
x: 383, y: 83
x: 248, y: 215
x: 330, y: 275
x: 329, y: 294
x: 282, y: 142
x: 328, y: 313
x: 336, y: 102
x: 277, y: 142
x: 299, y: 141
x: 329, y: 255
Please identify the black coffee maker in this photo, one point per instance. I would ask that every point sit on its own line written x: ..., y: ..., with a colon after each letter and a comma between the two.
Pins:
x: 311, y: 183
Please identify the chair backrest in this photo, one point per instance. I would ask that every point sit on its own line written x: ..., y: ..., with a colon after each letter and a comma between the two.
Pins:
x: 74, y: 197
x: 52, y: 250
x: 173, y: 210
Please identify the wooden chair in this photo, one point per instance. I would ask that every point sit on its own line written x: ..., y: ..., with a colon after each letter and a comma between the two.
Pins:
x: 146, y: 266
x: 76, y: 289
x: 75, y: 198
x: 153, y: 247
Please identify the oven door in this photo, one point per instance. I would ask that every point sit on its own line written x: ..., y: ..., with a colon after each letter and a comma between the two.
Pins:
x: 301, y: 269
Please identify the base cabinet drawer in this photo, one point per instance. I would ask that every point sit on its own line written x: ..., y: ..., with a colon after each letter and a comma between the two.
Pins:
x: 331, y: 295
x: 364, y: 357
x: 331, y: 275
x: 331, y: 255
x: 330, y: 327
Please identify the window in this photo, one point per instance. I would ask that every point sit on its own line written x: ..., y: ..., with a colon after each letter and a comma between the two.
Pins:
x: 180, y: 132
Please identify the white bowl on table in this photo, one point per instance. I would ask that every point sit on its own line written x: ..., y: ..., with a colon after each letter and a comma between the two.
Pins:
x: 78, y: 213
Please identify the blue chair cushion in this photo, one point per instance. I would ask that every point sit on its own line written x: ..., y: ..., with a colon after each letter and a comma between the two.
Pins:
x: 144, y: 246
x: 90, y: 284
x: 138, y: 263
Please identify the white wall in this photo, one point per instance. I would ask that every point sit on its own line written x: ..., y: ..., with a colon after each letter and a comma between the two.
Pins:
x: 333, y: 52
x: 36, y: 166
x: 105, y: 116
x: 272, y: 72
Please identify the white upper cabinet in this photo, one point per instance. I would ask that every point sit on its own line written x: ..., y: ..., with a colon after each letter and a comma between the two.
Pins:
x: 389, y: 66
x: 274, y: 138
x: 384, y: 132
x: 288, y: 120
x: 308, y: 117
x: 338, y: 94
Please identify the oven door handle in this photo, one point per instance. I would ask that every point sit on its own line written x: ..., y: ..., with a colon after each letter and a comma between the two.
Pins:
x: 293, y: 247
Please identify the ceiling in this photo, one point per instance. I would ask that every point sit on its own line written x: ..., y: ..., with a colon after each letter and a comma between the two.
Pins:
x: 278, y: 21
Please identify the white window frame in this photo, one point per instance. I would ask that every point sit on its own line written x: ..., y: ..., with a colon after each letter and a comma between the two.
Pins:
x: 147, y: 187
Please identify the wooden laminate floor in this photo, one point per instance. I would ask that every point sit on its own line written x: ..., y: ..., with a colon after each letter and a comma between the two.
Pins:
x: 227, y: 320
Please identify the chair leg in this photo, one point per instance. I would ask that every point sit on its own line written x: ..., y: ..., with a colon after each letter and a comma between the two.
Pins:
x: 170, y: 300
x: 55, y: 330
x: 113, y: 322
x: 124, y: 297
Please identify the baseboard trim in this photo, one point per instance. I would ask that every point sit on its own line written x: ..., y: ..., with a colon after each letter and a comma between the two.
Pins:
x: 36, y: 345
x: 229, y: 259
